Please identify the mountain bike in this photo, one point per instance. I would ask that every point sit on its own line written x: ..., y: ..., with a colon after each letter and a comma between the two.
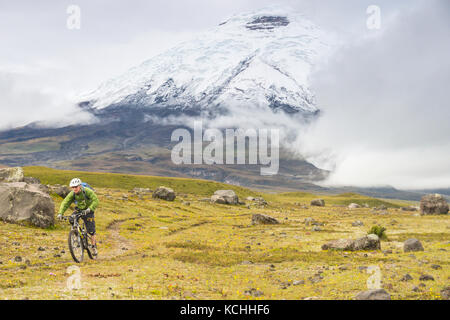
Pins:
x: 79, y: 240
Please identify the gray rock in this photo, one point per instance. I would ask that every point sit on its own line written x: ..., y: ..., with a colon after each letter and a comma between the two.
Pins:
x: 426, y: 277
x: 58, y: 189
x: 433, y: 204
x: 11, y: 175
x: 164, y: 193
x: 445, y: 293
x: 375, y: 294
x: 225, y: 197
x: 253, y: 292
x: 412, y: 245
x: 141, y: 191
x: 354, y: 206
x: 318, y: 202
x: 316, y: 228
x: 436, y: 267
x: 263, y: 219
x: 31, y: 180
x: 406, y: 277
x: 410, y: 208
x: 357, y: 223
x: 369, y: 242
x: 22, y: 202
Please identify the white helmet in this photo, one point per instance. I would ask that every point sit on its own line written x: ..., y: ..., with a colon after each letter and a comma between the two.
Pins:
x: 75, y: 182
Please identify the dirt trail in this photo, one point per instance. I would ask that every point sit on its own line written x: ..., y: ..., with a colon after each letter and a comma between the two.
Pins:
x: 120, y: 244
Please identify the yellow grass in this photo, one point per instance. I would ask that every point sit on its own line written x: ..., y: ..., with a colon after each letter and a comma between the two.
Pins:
x: 153, y: 249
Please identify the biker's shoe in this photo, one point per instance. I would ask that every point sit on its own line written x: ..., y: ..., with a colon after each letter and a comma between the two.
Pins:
x: 94, y: 250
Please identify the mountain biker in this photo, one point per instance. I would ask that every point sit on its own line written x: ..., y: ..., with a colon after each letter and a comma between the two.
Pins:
x: 87, y: 202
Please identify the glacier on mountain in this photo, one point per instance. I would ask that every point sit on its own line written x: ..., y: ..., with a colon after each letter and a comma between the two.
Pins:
x: 255, y: 60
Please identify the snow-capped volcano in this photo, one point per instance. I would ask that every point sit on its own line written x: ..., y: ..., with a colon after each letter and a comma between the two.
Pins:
x: 262, y: 59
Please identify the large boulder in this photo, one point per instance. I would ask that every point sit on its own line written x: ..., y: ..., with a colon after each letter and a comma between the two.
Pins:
x: 258, y: 218
x: 412, y: 245
x: 22, y: 202
x: 60, y: 190
x: 374, y: 294
x: 433, y: 204
x: 164, y: 193
x: 318, y: 202
x: 225, y: 197
x: 11, y: 174
x: 369, y: 242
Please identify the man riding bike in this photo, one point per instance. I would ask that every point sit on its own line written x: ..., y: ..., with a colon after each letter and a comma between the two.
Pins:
x: 86, y: 201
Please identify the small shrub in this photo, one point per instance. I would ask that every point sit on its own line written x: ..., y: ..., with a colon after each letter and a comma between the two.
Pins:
x: 379, y: 231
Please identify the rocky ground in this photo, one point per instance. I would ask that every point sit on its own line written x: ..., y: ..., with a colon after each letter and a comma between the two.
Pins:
x: 192, y: 248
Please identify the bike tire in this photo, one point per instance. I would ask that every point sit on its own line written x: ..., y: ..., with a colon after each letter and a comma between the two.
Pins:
x: 74, y: 233
x: 90, y: 254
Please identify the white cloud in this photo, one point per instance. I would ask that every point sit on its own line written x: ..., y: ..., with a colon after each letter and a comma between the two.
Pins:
x: 385, y: 103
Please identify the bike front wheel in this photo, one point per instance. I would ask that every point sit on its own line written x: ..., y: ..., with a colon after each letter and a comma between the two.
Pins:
x: 76, y: 246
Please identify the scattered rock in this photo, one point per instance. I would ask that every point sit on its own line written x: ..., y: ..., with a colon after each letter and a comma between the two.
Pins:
x: 316, y: 228
x: 138, y: 191
x: 164, y: 193
x: 412, y: 245
x: 258, y: 200
x: 17, y: 259
x: 433, y: 204
x: 22, y: 202
x: 8, y: 175
x: 415, y: 289
x: 225, y: 197
x: 436, y: 267
x: 253, y: 292
x: 445, y: 293
x: 426, y: 277
x: 59, y: 190
x: 354, y: 206
x: 406, y: 277
x: 410, y: 208
x: 298, y: 282
x: 375, y: 294
x: 186, y: 203
x: 318, y: 202
x: 263, y: 219
x: 369, y: 242
x: 308, y: 221
x: 357, y: 223
x: 31, y: 180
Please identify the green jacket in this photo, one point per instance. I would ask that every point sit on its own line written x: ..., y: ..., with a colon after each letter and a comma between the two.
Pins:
x: 91, y: 200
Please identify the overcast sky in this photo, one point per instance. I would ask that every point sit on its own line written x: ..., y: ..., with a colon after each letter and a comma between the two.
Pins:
x: 384, y: 95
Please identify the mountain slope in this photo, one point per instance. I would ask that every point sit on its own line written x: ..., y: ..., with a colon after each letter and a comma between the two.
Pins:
x: 255, y: 60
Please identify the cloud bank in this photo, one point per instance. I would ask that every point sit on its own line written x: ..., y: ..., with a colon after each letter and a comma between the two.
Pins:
x: 386, y: 105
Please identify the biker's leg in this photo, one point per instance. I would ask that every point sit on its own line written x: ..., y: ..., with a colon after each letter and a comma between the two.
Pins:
x: 90, y: 226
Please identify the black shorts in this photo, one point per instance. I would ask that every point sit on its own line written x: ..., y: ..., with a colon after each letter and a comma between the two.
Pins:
x: 89, y: 222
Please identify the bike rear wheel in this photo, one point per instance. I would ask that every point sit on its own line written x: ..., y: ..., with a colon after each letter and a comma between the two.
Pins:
x: 76, y: 246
